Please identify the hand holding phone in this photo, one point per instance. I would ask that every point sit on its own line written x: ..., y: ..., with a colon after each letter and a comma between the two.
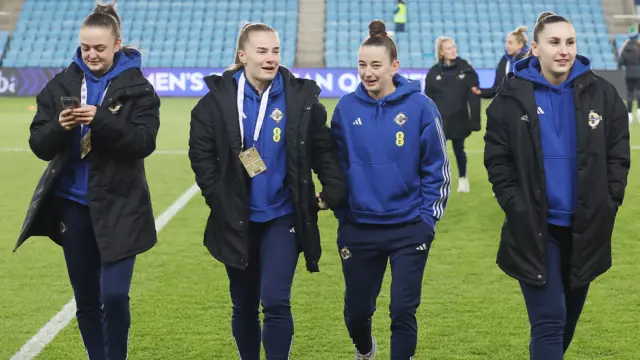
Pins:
x: 67, y: 120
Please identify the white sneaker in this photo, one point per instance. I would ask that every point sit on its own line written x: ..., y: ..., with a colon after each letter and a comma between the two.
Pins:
x: 372, y: 354
x: 463, y: 185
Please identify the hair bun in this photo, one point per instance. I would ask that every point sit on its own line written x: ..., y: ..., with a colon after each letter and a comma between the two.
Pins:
x: 106, y: 9
x: 521, y: 29
x: 377, y: 28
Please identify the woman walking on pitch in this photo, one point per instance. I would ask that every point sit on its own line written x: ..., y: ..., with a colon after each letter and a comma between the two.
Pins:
x: 255, y: 137
x: 557, y: 154
x: 394, y: 151
x: 451, y: 84
x: 515, y: 49
x: 96, y: 122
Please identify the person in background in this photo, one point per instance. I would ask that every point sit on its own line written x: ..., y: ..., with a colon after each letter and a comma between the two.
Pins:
x: 451, y: 83
x: 96, y: 122
x: 393, y: 149
x: 515, y: 49
x: 629, y: 59
x: 255, y: 138
x: 400, y: 16
x: 558, y: 157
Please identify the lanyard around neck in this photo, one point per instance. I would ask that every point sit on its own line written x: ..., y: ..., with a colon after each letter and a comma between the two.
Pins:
x: 261, y: 112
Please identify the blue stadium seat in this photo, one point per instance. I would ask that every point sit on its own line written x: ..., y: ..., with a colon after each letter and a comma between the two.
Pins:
x: 470, y: 23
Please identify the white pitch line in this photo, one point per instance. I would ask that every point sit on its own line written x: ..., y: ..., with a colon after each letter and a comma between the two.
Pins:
x: 48, y: 332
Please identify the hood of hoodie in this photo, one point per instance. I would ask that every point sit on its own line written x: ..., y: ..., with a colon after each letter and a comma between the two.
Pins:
x: 529, y: 69
x: 250, y: 91
x: 516, y: 57
x: 404, y: 88
x: 131, y: 59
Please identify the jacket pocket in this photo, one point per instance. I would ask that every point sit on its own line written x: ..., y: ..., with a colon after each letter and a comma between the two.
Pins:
x: 377, y: 188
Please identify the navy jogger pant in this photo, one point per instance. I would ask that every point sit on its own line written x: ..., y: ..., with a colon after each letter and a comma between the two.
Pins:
x: 365, y: 250
x: 554, y: 308
x: 101, y: 290
x: 267, y: 279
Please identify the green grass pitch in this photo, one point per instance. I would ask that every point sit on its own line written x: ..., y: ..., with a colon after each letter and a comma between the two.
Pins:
x: 180, y: 304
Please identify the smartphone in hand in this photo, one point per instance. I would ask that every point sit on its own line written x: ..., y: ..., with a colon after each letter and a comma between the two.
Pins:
x: 70, y: 102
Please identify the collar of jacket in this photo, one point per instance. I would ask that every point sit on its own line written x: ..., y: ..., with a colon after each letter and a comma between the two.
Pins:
x: 122, y: 84
x: 458, y: 65
x: 522, y: 90
x: 223, y: 88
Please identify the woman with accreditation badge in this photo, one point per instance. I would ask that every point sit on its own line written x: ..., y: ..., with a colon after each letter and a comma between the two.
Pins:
x: 96, y: 122
x: 255, y: 138
x: 393, y: 148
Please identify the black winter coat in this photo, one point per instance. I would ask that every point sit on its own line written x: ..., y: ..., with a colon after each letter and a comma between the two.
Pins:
x: 450, y: 88
x: 630, y: 59
x: 514, y: 161
x: 119, y: 199
x: 214, y: 145
x: 502, y: 71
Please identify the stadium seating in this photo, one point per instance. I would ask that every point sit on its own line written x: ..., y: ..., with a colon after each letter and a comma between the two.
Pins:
x: 479, y: 28
x: 170, y: 33
x: 4, y: 37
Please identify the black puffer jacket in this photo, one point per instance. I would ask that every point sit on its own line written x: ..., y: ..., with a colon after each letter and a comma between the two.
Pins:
x: 124, y: 132
x: 630, y: 59
x: 450, y: 88
x: 214, y: 145
x: 514, y: 161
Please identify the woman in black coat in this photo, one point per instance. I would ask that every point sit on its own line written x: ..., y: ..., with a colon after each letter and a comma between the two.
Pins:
x: 630, y: 61
x: 96, y: 122
x: 451, y: 83
x: 255, y: 138
x: 515, y: 50
x: 557, y: 153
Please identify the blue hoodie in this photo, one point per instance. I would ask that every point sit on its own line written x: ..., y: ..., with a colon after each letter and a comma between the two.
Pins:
x: 73, y: 182
x: 393, y: 151
x: 269, y: 198
x: 556, y: 111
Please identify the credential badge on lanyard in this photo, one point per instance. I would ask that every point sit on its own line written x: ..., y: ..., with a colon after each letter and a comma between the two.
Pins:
x: 250, y: 158
x: 85, y: 140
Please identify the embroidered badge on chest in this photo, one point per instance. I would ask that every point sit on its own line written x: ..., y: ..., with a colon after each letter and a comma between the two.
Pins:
x: 114, y: 108
x: 594, y: 119
x: 461, y: 76
x: 401, y: 119
x: 277, y: 115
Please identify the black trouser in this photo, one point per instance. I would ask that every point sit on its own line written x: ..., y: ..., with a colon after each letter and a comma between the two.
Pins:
x: 633, y: 92
x: 461, y: 156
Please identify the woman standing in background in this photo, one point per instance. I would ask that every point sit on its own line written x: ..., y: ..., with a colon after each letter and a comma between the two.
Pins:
x: 515, y: 49
x: 451, y: 84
